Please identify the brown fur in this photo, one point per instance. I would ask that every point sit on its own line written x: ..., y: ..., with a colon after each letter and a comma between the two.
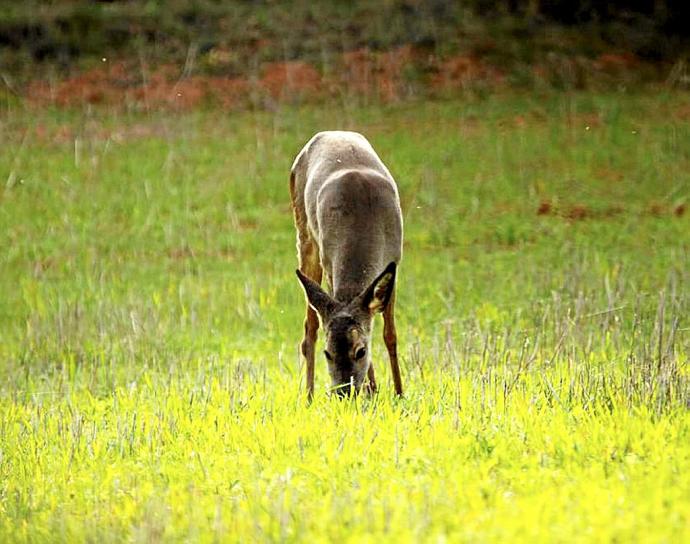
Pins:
x: 349, y: 228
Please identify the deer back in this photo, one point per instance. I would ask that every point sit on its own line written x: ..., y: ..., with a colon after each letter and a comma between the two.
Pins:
x: 352, y: 209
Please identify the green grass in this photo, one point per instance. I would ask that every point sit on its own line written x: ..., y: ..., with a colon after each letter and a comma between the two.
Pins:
x: 150, y: 384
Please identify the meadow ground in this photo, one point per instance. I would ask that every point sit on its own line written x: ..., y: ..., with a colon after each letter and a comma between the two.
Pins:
x: 151, y: 387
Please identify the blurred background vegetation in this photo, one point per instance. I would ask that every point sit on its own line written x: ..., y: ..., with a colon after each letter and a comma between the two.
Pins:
x: 407, y: 46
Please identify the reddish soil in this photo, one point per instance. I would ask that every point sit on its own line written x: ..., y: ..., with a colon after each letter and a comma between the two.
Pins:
x: 656, y: 209
x: 384, y: 76
x: 285, y: 80
x: 579, y: 212
x: 463, y: 71
x: 379, y: 75
x: 545, y: 208
x: 387, y: 76
x: 683, y: 113
x: 616, y: 62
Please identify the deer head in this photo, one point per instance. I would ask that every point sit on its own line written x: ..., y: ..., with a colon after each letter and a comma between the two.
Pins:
x: 347, y: 326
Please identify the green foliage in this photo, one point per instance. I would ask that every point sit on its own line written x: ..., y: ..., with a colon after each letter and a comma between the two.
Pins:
x: 233, y: 37
x: 150, y: 380
x: 164, y: 31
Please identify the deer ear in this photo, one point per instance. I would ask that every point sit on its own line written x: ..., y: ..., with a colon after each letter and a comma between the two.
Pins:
x: 377, y: 295
x: 317, y: 297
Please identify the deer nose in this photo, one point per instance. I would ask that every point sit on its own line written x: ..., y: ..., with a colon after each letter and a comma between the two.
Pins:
x: 343, y: 390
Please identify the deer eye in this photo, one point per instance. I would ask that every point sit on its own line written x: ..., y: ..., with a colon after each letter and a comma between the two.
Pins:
x: 361, y: 352
x: 328, y: 355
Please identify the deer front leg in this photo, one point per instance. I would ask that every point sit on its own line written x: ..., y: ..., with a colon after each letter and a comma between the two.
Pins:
x: 311, y: 326
x: 372, y: 379
x: 310, y: 267
x: 390, y: 337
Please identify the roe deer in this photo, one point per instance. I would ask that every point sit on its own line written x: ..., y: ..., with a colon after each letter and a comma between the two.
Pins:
x: 349, y: 225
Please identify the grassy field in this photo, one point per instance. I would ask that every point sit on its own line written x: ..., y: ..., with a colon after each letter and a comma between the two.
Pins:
x: 150, y: 384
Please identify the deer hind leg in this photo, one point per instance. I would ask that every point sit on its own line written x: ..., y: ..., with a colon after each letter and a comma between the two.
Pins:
x: 390, y: 337
x: 310, y: 266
